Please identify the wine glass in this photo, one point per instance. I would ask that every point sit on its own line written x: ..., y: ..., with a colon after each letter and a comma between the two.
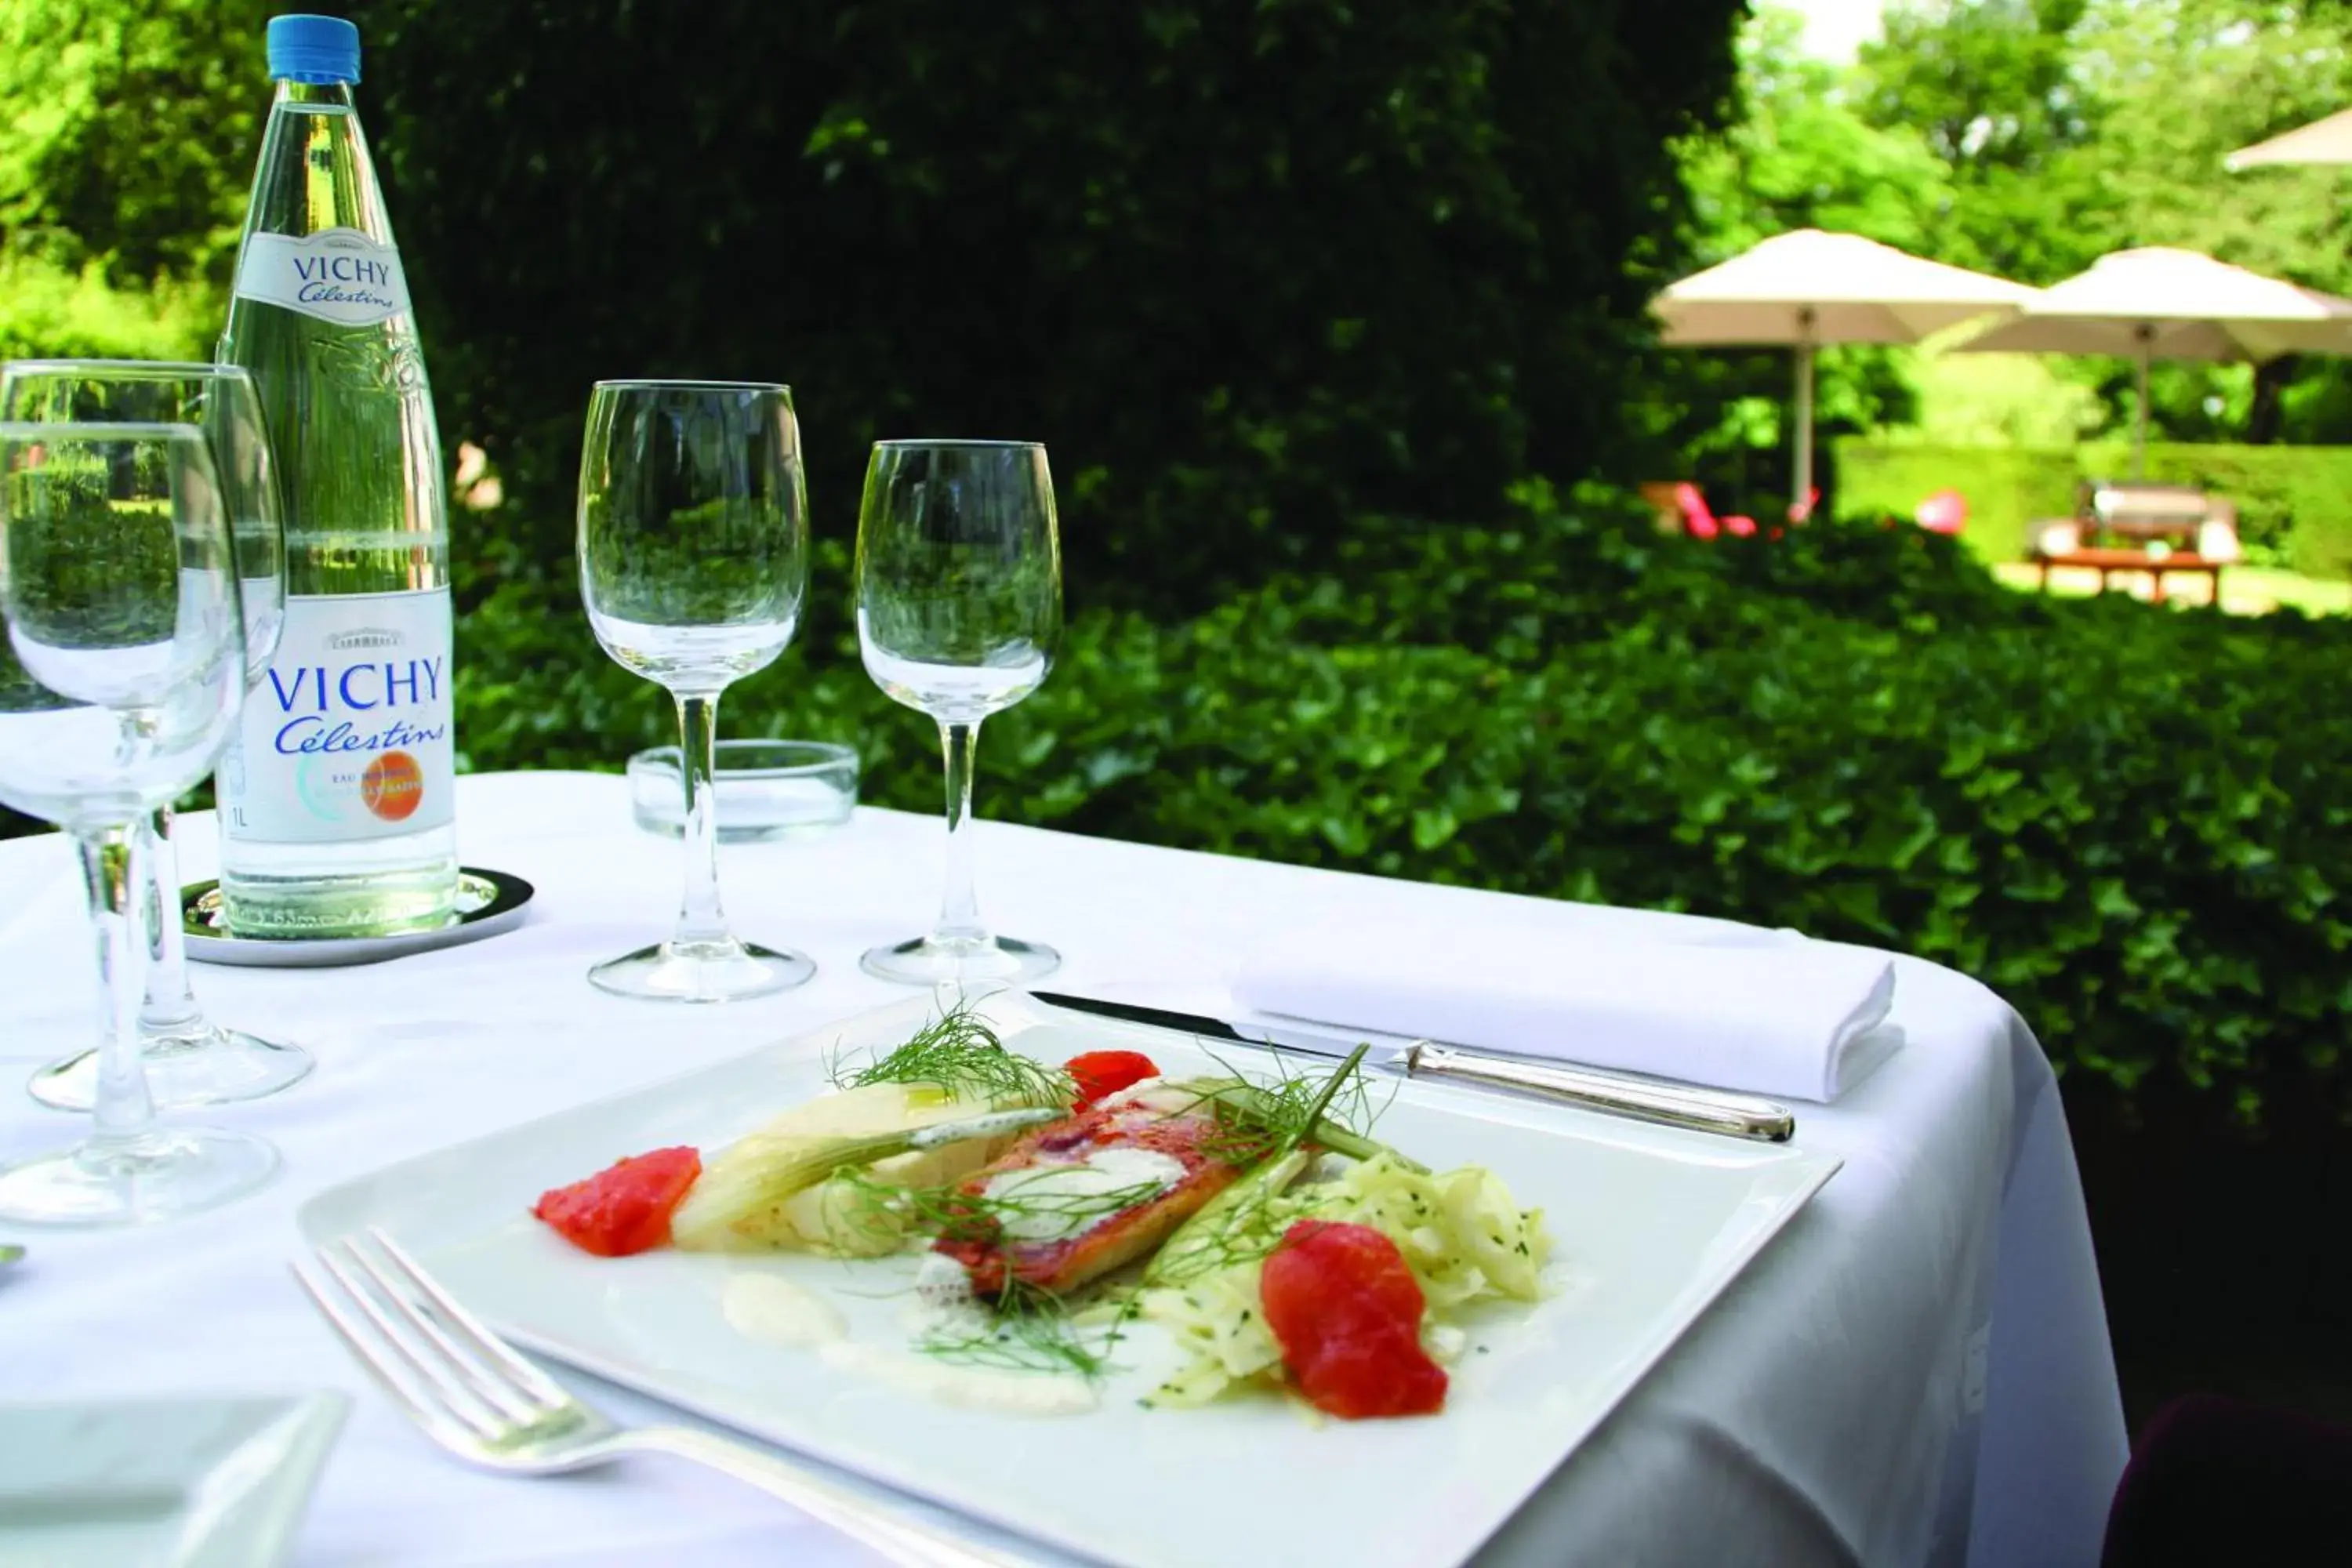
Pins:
x: 121, y: 673
x: 190, y: 1060
x: 693, y: 562
x: 959, y: 606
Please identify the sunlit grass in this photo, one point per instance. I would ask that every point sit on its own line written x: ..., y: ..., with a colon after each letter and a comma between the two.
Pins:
x: 2245, y: 590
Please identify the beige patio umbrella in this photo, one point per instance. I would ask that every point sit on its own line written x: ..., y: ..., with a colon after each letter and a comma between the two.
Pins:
x: 1806, y: 288
x: 2327, y: 141
x: 2158, y: 303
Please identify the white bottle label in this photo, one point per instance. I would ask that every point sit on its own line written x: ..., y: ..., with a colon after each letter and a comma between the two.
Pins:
x: 348, y: 734
x: 337, y: 275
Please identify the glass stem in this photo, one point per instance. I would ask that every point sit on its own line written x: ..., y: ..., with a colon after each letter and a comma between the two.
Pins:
x: 170, y: 1010
x: 959, y: 923
x: 699, y: 917
x: 114, y: 870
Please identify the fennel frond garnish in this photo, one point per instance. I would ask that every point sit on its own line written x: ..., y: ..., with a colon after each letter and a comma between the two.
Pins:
x: 1030, y: 1328
x: 959, y: 1054
x: 1333, y: 1111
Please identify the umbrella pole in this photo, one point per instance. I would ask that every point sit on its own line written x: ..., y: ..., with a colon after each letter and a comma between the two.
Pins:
x: 1803, y: 465
x: 2146, y: 334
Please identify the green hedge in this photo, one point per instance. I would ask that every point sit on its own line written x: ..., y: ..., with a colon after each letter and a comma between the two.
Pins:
x: 50, y: 311
x: 2292, y: 501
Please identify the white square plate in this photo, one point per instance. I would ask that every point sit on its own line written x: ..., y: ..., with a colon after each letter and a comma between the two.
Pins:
x: 161, y: 1483
x: 1648, y: 1225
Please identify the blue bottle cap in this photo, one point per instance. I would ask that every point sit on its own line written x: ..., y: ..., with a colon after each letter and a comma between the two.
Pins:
x: 313, y: 50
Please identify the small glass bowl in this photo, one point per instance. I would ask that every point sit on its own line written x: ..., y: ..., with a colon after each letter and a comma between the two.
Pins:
x: 767, y: 789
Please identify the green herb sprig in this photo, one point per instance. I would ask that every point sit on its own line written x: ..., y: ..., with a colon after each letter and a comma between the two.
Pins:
x: 1258, y: 1121
x: 1247, y: 1220
x: 1026, y: 1327
x: 957, y: 1053
x: 1030, y: 1328
x: 949, y: 1213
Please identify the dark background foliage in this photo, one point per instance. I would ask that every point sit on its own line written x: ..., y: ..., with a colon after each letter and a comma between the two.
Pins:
x: 1248, y: 268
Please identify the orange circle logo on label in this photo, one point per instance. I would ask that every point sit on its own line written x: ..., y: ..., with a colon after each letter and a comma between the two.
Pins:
x: 394, y: 787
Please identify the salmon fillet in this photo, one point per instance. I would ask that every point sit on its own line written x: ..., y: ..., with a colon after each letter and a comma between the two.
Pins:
x: 1193, y: 1141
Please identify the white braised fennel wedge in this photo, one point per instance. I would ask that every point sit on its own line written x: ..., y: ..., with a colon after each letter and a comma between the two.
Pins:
x: 787, y: 1185
x: 790, y: 1184
x: 1254, y: 1221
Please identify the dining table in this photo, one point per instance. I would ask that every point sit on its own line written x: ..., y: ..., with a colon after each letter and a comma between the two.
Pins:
x: 1916, y: 1370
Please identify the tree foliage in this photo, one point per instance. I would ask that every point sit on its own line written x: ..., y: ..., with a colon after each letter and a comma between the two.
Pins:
x: 1803, y: 155
x: 131, y: 133
x: 1991, y: 85
x: 1245, y: 268
x: 1799, y: 155
x: 2071, y: 128
x: 124, y: 159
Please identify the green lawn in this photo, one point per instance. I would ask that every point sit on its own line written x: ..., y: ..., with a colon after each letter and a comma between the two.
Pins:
x: 2245, y: 590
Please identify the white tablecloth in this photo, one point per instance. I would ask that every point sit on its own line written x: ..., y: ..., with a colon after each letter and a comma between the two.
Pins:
x: 1917, y: 1372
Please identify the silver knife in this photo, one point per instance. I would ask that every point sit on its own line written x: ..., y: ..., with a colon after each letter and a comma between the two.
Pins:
x: 1596, y: 1088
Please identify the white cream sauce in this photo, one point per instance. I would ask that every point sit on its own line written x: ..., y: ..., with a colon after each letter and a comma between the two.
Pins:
x: 772, y: 1309
x: 1052, y: 1203
x: 971, y: 1387
x: 775, y: 1310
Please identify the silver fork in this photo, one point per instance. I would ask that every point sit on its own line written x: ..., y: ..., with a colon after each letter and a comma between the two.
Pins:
x: 475, y: 1395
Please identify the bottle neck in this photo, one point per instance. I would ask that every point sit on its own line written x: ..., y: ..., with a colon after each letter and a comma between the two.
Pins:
x: 309, y: 94
x: 314, y: 173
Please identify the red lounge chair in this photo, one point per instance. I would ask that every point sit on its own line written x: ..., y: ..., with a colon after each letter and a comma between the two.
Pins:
x: 1944, y: 512
x: 1702, y: 523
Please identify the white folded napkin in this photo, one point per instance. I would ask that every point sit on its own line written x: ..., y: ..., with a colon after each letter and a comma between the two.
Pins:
x: 1781, y: 1016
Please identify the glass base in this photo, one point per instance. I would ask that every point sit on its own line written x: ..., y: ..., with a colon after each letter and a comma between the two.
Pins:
x: 206, y: 1065
x: 157, y: 1175
x: 929, y: 961
x: 726, y: 971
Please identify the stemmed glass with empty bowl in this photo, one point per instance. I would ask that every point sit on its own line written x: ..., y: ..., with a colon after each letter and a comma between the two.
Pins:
x: 958, y: 608
x: 694, y: 563
x: 190, y: 1060
x: 122, y: 668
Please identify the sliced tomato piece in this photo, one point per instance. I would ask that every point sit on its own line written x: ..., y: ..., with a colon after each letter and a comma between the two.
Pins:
x: 1352, y: 1270
x: 1100, y: 1073
x: 624, y: 1208
x: 1344, y: 1308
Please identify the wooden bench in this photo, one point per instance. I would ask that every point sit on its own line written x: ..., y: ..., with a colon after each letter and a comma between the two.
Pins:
x: 2157, y: 529
x: 2108, y: 561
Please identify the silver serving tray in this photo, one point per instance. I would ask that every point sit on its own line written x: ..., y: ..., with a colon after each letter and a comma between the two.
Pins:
x: 489, y: 902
